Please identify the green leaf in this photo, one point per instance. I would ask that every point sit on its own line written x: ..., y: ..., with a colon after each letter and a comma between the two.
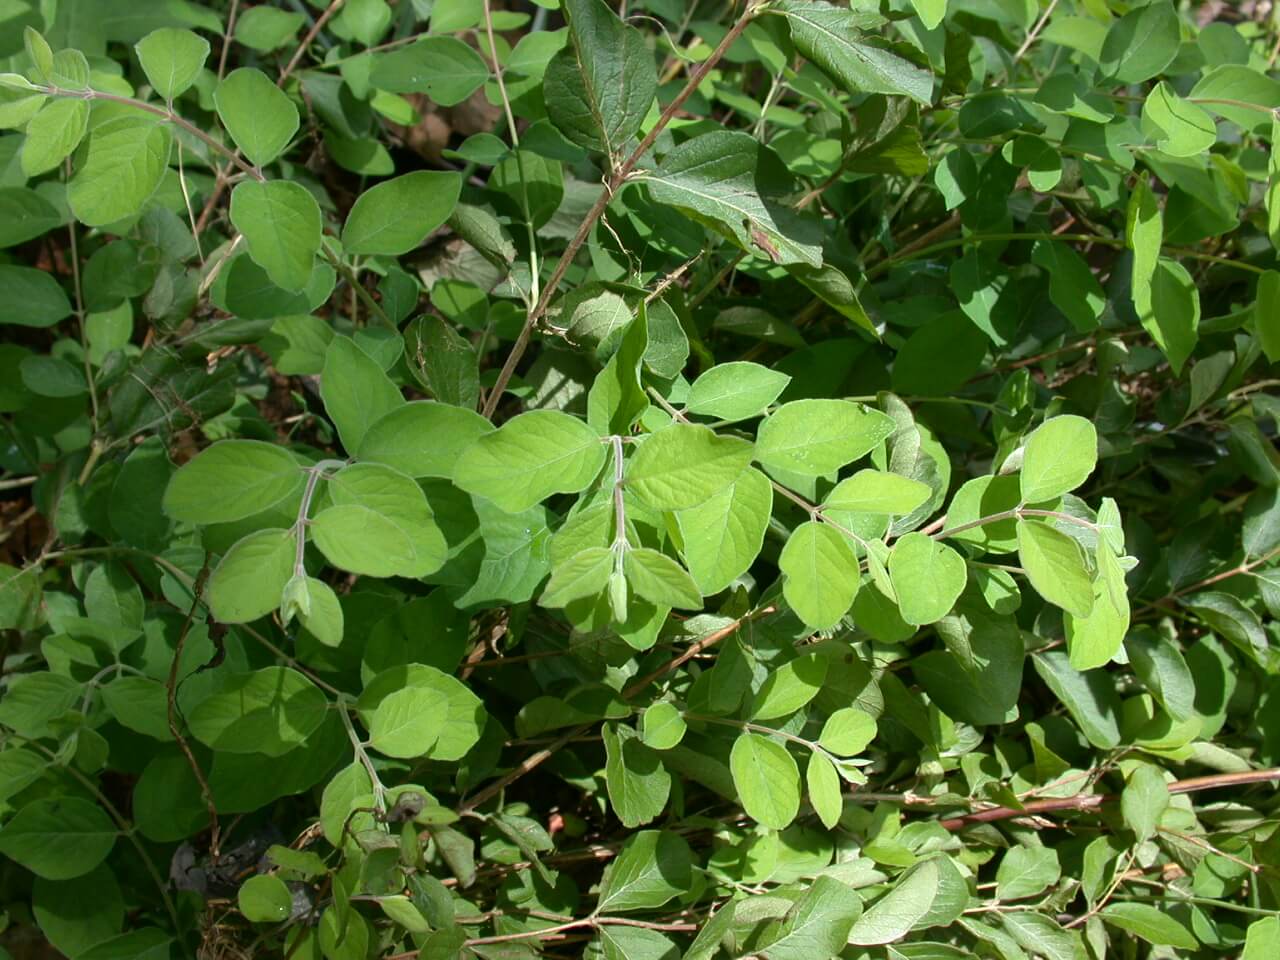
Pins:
x: 52, y: 134
x: 1055, y: 566
x: 834, y: 39
x: 875, y: 491
x: 124, y: 164
x: 1144, y: 233
x: 930, y: 12
x: 394, y: 497
x: 730, y: 181
x: 819, y: 924
x: 58, y: 838
x: 395, y: 216
x: 660, y: 580
x: 789, y: 687
x: 1095, y: 639
x: 599, y: 86
x: 1073, y: 288
x: 847, y: 732
x: 172, y: 59
x: 446, y: 70
x: 652, y: 867
x: 259, y: 116
x: 1089, y: 697
x: 735, y: 390
x: 894, y: 914
x: 1266, y: 314
x: 418, y: 711
x: 232, y: 480
x: 30, y: 297
x: 584, y: 574
x: 637, y: 782
x: 617, y: 399
x: 264, y: 899
x: 529, y: 458
x: 1150, y: 923
x: 24, y: 215
x: 422, y: 438
x: 1141, y: 43
x: 1262, y: 939
x: 323, y: 619
x: 662, y: 726
x: 767, y: 780
x: 1026, y: 871
x: 927, y: 576
x: 817, y: 437
x: 1235, y: 91
x: 1144, y: 800
x: 1058, y: 457
x: 280, y: 222
x: 356, y: 391
x: 1170, y: 311
x: 1181, y: 129
x: 265, y: 28
x: 76, y: 914
x: 139, y: 703
x: 723, y: 536
x: 269, y: 711
x: 684, y: 465
x: 443, y: 361
x: 249, y: 580
x: 823, y: 786
x: 822, y: 574
x: 361, y: 540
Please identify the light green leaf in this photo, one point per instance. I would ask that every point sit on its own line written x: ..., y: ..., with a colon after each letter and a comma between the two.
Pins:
x: 731, y: 182
x: 418, y: 711
x: 52, y: 134
x: 445, y: 69
x: 598, y: 87
x: 395, y: 216
x: 249, y: 580
x: 324, y: 619
x: 927, y: 576
x: 58, y: 838
x: 1150, y: 923
x: 822, y: 574
x: 280, y: 221
x: 1170, y: 311
x: 637, y: 782
x: 259, y: 116
x: 1055, y: 566
x: 767, y: 780
x: 723, y: 536
x: 1058, y: 457
x: 423, y: 438
x: 1235, y: 91
x: 819, y: 924
x: 834, y: 38
x: 1144, y: 233
x: 232, y: 480
x: 684, y: 465
x: 847, y: 732
x: 139, y: 703
x: 662, y: 726
x: 930, y: 12
x: 1144, y: 800
x: 1089, y: 697
x: 735, y: 390
x: 1181, y: 129
x: 269, y: 711
x: 818, y: 437
x: 356, y: 391
x: 1093, y: 640
x: 125, y: 162
x: 894, y: 914
x: 875, y: 491
x: 529, y: 458
x: 1262, y: 939
x: 1026, y: 871
x: 172, y: 59
x: 584, y: 574
x: 1266, y: 314
x: 264, y: 899
x: 789, y: 687
x: 652, y: 867
x: 823, y: 786
x: 359, y: 540
x: 396, y: 497
x: 1141, y: 43
x: 265, y: 28
x: 660, y: 580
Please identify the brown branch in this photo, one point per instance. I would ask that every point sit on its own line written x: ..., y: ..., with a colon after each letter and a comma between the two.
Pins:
x: 1094, y: 800
x: 614, y: 181
x: 306, y: 41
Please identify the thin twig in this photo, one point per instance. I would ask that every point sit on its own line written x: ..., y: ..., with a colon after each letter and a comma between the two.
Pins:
x: 306, y: 41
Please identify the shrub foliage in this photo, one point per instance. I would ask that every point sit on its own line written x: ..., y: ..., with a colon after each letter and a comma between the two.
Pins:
x: 640, y: 480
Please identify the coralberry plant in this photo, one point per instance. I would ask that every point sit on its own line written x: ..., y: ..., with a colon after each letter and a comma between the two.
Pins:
x: 639, y: 480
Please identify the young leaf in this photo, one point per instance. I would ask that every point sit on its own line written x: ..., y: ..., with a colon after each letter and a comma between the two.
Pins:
x: 927, y: 576
x: 822, y: 575
x: 1093, y: 640
x: 1182, y: 129
x: 1059, y: 456
x: 1055, y: 565
x: 259, y: 116
x: 822, y: 783
x: 598, y: 87
x: 684, y: 465
x: 584, y: 574
x: 723, y: 536
x: 530, y: 457
x: 422, y: 438
x: 767, y: 780
x: 172, y: 59
x: 360, y: 540
x: 662, y: 726
x: 323, y: 619
x: 264, y: 899
x: 735, y: 390
x: 394, y: 497
x: 847, y: 732
x: 419, y: 711
x: 875, y: 491
x: 52, y: 135
x: 660, y: 580
x: 818, y: 437
x: 280, y: 222
x: 232, y: 480
x: 395, y: 216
